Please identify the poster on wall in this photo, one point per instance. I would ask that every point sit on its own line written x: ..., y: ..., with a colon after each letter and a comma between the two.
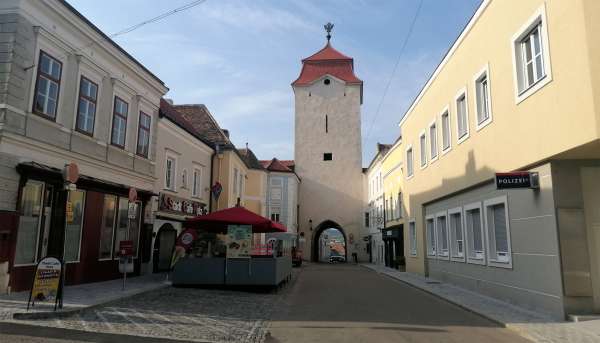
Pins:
x: 46, y: 281
x: 239, y: 241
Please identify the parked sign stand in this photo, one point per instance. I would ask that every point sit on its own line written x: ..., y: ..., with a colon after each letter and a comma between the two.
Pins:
x: 125, y: 259
x: 47, y: 284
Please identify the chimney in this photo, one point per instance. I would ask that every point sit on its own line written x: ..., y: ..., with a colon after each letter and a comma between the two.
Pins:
x: 226, y: 132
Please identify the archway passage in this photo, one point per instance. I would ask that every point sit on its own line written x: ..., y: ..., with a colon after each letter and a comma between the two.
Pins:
x: 163, y: 247
x: 329, y: 240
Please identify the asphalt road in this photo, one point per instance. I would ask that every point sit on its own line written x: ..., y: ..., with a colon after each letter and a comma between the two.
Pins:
x: 349, y: 303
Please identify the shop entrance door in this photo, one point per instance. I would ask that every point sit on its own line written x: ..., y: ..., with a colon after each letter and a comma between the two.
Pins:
x: 163, y: 247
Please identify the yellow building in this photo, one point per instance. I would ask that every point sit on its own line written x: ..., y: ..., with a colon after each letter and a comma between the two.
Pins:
x: 518, y: 90
x: 255, y: 192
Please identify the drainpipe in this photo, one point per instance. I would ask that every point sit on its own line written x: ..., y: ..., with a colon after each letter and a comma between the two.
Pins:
x: 210, y: 196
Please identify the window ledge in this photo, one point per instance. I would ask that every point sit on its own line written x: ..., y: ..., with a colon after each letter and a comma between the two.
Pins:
x: 463, y: 138
x: 473, y: 260
x: 484, y: 123
x: 523, y: 95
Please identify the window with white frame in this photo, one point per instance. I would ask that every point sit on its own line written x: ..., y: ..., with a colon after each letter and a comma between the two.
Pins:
x: 399, y: 206
x: 119, y: 125
x: 445, y: 131
x: 196, y: 186
x: 275, y: 217
x: 412, y: 233
x: 482, y: 98
x: 430, y: 227
x: 409, y: 162
x: 497, y: 231
x: 433, y: 141
x: 423, y: 149
x: 474, y: 231
x: 86, y: 108
x: 457, y: 242
x: 441, y: 226
x: 170, y: 172
x: 531, y: 57
x: 462, y: 122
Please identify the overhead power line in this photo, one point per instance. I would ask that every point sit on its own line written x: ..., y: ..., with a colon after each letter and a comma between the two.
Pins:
x: 387, y: 86
x: 158, y: 17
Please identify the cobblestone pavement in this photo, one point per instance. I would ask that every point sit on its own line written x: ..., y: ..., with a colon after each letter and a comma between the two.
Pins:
x: 189, y: 314
x: 535, y: 326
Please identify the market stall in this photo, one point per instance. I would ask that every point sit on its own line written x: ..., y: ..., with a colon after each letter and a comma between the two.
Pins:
x: 220, y: 252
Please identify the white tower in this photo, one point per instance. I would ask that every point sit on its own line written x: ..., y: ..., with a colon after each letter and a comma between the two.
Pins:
x: 328, y: 156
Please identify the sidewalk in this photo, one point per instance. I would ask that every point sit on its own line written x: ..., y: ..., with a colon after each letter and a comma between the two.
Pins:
x: 532, y: 325
x: 79, y: 297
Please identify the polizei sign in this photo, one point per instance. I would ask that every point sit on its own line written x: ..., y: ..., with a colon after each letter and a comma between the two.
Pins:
x: 517, y: 180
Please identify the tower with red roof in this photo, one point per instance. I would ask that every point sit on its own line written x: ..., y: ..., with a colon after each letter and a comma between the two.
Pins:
x: 328, y: 154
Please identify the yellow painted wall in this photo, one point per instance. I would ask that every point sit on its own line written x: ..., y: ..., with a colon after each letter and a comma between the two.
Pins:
x: 255, y: 193
x: 558, y: 117
x: 223, y: 173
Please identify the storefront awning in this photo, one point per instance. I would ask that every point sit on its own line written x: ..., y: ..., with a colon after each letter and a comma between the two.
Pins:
x: 219, y: 220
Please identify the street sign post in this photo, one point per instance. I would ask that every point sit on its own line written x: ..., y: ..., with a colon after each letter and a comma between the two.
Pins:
x: 125, y: 259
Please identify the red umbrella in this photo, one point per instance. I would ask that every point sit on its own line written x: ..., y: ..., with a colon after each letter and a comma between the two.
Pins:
x: 278, y: 226
x: 219, y: 220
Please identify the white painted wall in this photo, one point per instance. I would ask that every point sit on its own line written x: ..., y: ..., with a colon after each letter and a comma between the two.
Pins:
x: 329, y: 190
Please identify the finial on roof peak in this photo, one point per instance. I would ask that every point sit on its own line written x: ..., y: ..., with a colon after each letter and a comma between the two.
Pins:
x: 328, y: 27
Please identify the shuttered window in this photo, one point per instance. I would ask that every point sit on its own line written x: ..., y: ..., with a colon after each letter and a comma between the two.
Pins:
x: 457, y: 246
x: 442, y: 235
x: 498, y: 232
x: 474, y: 232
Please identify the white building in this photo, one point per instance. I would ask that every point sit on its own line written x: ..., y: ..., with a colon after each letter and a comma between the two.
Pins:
x: 183, y: 164
x: 374, y: 201
x: 328, y: 156
x: 282, y: 193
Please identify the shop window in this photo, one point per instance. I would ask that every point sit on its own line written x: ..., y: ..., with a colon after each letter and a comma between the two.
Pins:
x: 119, y: 124
x: 457, y: 243
x: 498, y: 232
x: 474, y: 230
x: 74, y: 225
x: 86, y: 109
x: 442, y: 234
x: 143, y: 144
x: 47, y: 86
x: 109, y: 211
x: 31, y: 212
x: 412, y: 232
x: 430, y: 227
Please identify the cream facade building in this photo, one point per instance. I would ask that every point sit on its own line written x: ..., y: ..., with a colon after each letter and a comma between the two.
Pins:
x: 517, y: 91
x: 374, y: 206
x: 327, y: 151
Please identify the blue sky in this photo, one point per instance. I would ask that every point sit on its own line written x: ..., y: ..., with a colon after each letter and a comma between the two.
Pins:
x: 239, y: 57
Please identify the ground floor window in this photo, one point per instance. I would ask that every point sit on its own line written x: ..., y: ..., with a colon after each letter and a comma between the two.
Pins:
x: 117, y: 226
x: 497, y: 230
x: 474, y: 226
x: 412, y: 232
x: 430, y: 226
x: 31, y: 213
x: 442, y: 234
x: 73, y: 225
x: 457, y: 247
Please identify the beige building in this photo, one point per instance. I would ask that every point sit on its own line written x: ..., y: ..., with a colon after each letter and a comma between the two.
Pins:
x: 327, y: 150
x: 517, y: 91
x: 255, y: 192
x: 182, y: 182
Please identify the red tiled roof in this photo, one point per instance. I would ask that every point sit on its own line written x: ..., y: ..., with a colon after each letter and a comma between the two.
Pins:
x: 170, y: 112
x: 285, y: 166
x: 327, y: 61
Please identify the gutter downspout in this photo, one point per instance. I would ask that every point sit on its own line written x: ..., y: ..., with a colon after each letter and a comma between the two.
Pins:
x: 212, y: 162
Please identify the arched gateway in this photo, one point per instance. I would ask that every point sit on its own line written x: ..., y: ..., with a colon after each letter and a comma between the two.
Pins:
x: 319, y: 230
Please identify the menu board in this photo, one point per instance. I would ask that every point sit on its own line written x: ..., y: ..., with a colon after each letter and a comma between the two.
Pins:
x: 47, y: 280
x: 239, y: 241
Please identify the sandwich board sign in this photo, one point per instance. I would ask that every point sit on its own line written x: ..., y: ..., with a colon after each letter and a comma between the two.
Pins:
x: 46, y: 282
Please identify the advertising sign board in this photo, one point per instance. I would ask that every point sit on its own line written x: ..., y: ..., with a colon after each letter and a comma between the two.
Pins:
x: 46, y: 282
x: 239, y: 241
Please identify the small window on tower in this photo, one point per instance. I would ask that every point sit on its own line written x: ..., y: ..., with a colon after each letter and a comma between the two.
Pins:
x: 327, y: 156
x: 326, y: 81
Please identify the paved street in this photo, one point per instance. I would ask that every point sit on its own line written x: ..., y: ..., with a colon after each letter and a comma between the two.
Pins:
x: 348, y: 303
